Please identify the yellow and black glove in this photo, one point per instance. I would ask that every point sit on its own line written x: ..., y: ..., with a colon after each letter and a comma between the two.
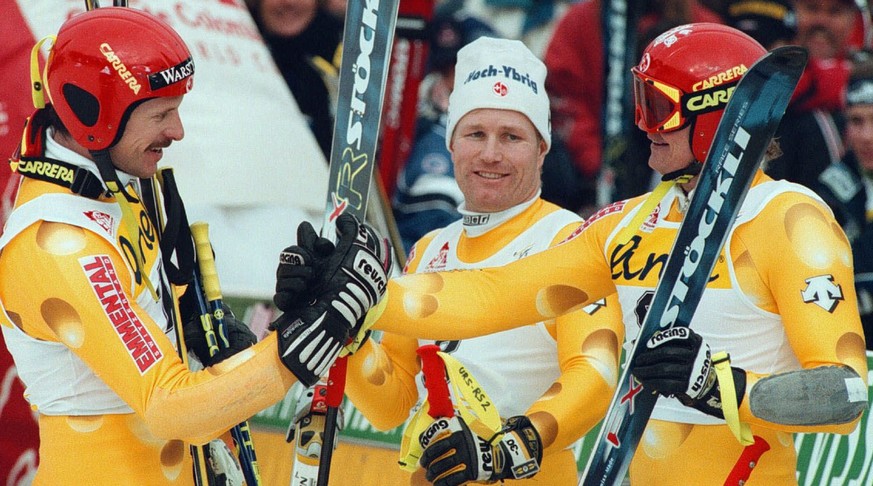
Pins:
x: 454, y: 455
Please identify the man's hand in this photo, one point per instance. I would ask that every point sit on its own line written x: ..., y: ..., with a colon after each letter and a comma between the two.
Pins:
x: 351, y: 280
x: 298, y: 265
x: 239, y: 336
x: 305, y: 268
x: 677, y: 362
x: 454, y: 455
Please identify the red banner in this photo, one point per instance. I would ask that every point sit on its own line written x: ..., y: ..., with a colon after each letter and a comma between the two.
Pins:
x: 19, y: 437
x: 408, y: 66
x: 16, y: 40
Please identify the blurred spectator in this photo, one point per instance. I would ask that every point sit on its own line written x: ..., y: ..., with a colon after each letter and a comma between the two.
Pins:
x: 717, y: 6
x: 530, y: 21
x: 305, y: 39
x: 427, y: 195
x: 772, y: 23
x: 19, y: 432
x: 830, y: 29
x: 575, y: 61
x: 847, y: 186
x: 811, y: 127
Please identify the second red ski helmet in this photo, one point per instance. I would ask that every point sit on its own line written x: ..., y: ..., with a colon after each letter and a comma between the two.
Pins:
x: 107, y: 61
x: 686, y: 76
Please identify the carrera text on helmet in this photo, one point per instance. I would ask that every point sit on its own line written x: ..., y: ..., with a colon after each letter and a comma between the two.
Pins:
x: 120, y: 68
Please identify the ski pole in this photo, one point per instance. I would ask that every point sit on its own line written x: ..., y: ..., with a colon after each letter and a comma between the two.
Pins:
x: 215, y: 309
x: 750, y: 457
x: 199, y: 454
x: 336, y: 387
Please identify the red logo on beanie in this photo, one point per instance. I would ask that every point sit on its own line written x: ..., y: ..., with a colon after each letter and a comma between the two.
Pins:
x: 500, y: 89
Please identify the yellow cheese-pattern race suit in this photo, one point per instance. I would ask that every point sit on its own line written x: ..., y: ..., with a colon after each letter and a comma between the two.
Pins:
x: 561, y: 372
x: 781, y: 297
x: 95, y: 350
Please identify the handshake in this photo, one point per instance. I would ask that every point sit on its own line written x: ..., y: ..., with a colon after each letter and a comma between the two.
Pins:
x: 324, y: 291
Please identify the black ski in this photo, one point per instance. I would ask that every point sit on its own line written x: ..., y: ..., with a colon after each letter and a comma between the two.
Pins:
x: 367, y: 41
x: 749, y: 122
x: 618, y: 22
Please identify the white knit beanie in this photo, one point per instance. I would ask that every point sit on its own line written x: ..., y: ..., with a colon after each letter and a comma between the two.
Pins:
x: 502, y: 74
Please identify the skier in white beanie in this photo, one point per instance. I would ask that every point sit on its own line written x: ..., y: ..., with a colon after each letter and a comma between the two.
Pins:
x: 500, y: 110
x: 545, y: 380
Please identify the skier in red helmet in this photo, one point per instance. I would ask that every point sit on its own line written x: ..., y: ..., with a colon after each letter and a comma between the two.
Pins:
x: 91, y: 273
x: 780, y: 299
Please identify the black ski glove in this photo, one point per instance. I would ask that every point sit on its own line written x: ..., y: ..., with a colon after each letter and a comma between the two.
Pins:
x: 298, y: 265
x: 676, y: 362
x: 239, y: 337
x: 453, y: 454
x: 351, y: 281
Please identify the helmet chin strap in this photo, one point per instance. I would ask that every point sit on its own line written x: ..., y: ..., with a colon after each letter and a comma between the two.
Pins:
x: 109, y: 175
x: 110, y: 178
x: 683, y: 175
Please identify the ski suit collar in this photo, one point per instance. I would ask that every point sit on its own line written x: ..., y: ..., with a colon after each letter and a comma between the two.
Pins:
x: 478, y: 223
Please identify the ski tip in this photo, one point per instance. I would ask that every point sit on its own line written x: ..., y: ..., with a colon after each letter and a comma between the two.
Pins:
x: 792, y: 57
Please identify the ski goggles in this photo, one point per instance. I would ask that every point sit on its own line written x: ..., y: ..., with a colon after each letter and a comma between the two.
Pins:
x: 658, y: 105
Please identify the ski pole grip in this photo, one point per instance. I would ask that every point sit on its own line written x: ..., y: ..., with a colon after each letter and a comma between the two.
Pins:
x: 336, y: 382
x: 208, y: 273
x: 434, y: 370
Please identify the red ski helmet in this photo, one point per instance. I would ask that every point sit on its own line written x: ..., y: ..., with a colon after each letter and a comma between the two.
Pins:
x: 107, y: 61
x: 686, y: 76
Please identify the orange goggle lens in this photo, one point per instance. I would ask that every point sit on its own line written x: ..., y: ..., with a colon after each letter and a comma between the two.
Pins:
x: 658, y: 107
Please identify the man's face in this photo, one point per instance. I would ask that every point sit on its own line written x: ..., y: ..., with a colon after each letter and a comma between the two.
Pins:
x: 287, y: 18
x: 823, y: 26
x: 670, y: 151
x: 152, y: 127
x: 498, y: 156
x: 859, y: 134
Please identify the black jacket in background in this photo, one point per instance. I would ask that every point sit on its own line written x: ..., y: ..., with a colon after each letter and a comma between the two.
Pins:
x: 841, y: 185
x: 292, y: 57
